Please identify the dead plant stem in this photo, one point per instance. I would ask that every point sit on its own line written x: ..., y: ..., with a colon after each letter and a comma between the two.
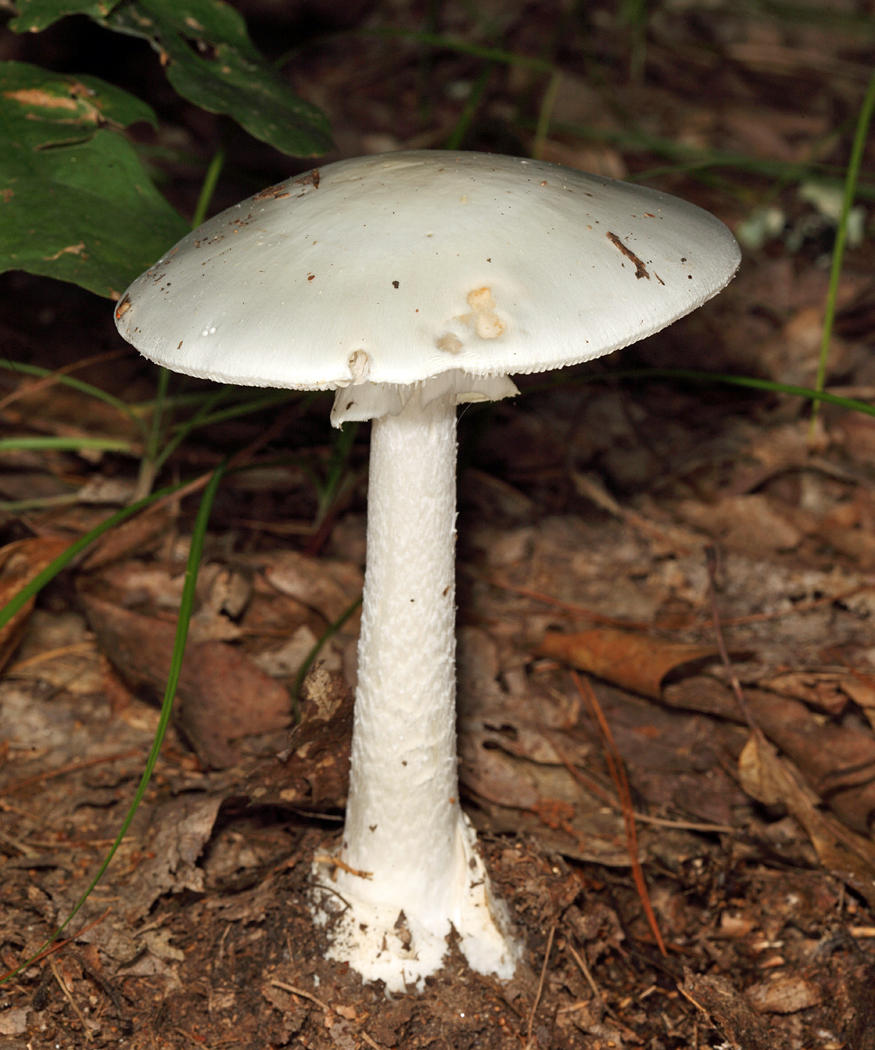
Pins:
x: 540, y: 990
x: 68, y: 995
x: 617, y: 770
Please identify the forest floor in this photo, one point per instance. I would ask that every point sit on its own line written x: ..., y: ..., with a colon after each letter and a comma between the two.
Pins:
x: 666, y: 593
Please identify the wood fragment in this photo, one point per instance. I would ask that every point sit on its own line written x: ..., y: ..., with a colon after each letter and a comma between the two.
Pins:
x: 335, y: 862
x: 540, y: 990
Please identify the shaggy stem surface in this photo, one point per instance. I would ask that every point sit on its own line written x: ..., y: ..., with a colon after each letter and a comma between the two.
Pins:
x: 411, y: 867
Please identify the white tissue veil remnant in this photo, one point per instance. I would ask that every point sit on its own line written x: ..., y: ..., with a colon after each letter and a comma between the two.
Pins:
x: 366, y: 400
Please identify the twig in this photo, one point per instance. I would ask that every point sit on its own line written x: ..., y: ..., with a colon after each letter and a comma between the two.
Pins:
x: 53, y: 377
x: 621, y: 781
x: 335, y: 862
x: 68, y: 995
x: 690, y: 999
x: 56, y: 946
x: 234, y: 462
x: 591, y: 785
x: 538, y: 994
x: 711, y: 563
x: 70, y: 767
x: 584, y: 969
x: 330, y: 889
x: 304, y: 994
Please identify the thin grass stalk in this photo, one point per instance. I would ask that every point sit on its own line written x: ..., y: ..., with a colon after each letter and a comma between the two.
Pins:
x: 472, y: 103
x: 78, y: 385
x: 186, y: 606
x: 860, y: 135
x: 40, y: 443
x: 152, y: 460
x: 208, y: 188
x: 545, y: 114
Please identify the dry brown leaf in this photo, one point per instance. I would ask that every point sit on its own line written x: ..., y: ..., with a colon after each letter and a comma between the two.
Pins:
x: 319, y: 583
x: 46, y: 406
x: 222, y: 695
x: 861, y: 689
x: 772, y: 780
x: 821, y: 689
x: 222, y: 594
x: 858, y: 544
x: 313, y: 773
x: 786, y: 994
x: 134, y: 536
x: 838, y: 760
x: 705, y: 694
x: 636, y: 662
x: 20, y: 562
x: 748, y: 523
x: 856, y: 433
x: 545, y: 802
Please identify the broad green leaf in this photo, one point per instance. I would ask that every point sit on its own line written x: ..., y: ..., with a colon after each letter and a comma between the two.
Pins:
x: 75, y: 202
x: 210, y: 60
x: 36, y: 15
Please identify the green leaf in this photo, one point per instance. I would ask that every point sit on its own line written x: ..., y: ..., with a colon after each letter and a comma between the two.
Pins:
x: 75, y: 201
x: 210, y: 60
x: 36, y: 15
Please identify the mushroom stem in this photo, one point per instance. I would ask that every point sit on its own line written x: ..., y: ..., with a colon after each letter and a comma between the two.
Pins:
x: 403, y: 806
x: 410, y: 867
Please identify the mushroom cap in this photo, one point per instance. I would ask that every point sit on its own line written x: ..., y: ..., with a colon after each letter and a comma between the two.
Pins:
x: 398, y: 267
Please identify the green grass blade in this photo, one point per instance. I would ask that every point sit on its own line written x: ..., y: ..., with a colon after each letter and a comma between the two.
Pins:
x: 30, y: 590
x: 208, y: 188
x: 338, y: 467
x: 160, y: 406
x: 693, y: 376
x: 205, y: 416
x: 838, y: 254
x: 64, y: 444
x: 463, y: 47
x: 457, y: 136
x: 186, y: 606
x: 74, y: 384
x: 697, y: 161
x: 25, y: 506
x: 152, y: 460
x: 545, y: 113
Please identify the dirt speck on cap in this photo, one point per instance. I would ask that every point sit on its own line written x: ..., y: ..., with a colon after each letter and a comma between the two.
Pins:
x: 640, y: 268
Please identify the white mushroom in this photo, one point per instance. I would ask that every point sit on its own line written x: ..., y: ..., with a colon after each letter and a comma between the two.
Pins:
x: 410, y: 283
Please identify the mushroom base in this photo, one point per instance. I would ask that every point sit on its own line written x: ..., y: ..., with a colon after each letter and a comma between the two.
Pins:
x: 382, y: 943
